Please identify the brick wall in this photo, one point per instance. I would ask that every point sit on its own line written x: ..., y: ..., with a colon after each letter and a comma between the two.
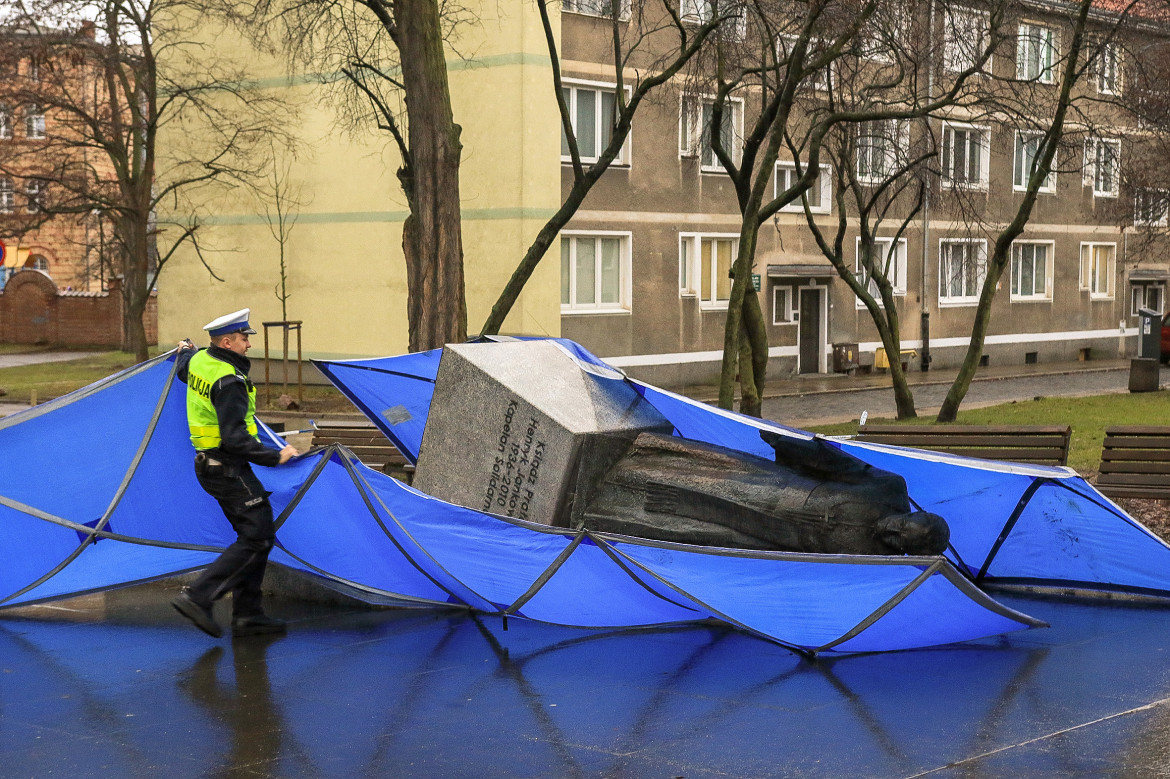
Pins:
x: 34, y: 311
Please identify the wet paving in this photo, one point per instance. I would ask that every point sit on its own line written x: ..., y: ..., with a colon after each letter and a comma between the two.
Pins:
x: 831, y: 401
x: 119, y: 685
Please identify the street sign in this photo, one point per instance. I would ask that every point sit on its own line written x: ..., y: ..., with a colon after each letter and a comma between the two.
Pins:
x: 756, y: 282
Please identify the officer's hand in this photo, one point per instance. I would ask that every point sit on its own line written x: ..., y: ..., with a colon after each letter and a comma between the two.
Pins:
x: 287, y: 453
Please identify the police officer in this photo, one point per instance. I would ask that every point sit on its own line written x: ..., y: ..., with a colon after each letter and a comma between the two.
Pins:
x: 221, y: 408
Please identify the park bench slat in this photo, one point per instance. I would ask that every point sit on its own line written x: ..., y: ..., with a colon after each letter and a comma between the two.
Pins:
x: 367, y: 443
x: 1135, y: 462
x: 1037, y: 444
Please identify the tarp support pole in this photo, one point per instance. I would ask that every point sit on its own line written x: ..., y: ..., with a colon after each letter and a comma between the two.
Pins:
x: 1011, y: 523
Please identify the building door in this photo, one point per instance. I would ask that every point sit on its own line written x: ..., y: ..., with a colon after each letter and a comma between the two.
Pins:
x: 809, y: 337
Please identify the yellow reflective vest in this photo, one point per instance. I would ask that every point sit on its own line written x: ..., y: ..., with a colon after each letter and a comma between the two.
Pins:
x: 203, y: 371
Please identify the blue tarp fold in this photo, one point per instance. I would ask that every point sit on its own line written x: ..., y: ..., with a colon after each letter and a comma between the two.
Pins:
x: 77, y: 518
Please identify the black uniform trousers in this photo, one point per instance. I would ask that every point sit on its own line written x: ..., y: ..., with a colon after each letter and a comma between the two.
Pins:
x: 240, y: 569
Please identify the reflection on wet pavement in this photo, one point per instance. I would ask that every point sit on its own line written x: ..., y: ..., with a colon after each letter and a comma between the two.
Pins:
x: 119, y: 685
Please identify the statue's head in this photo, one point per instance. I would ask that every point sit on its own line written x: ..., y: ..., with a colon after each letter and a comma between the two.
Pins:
x: 915, y: 533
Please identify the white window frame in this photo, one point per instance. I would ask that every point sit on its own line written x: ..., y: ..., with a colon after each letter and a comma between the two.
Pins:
x: 1143, y: 209
x: 948, y: 166
x: 692, y: 132
x: 1019, y: 174
x: 1039, y: 39
x: 821, y: 80
x: 34, y: 121
x: 7, y: 195
x: 34, y: 192
x: 1107, y: 67
x: 960, y: 27
x: 894, y: 130
x: 625, y: 239
x: 782, y: 310
x: 1017, y: 252
x: 594, y: 8
x: 5, y: 122
x: 971, y: 299
x: 882, y: 245
x: 1144, y: 288
x: 596, y: 88
x: 700, y: 11
x: 1095, y: 155
x: 1090, y: 278
x: 690, y: 260
x: 823, y: 185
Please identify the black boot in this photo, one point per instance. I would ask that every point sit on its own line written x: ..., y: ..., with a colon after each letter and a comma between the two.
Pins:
x: 198, y: 613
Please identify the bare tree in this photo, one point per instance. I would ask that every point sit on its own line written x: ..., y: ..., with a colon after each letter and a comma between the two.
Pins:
x: 1067, y: 69
x: 639, y: 35
x: 393, y: 62
x: 282, y: 203
x: 104, y: 97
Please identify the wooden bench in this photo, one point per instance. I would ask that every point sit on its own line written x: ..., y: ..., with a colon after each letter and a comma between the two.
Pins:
x: 1135, y: 462
x: 1037, y: 444
x: 368, y: 443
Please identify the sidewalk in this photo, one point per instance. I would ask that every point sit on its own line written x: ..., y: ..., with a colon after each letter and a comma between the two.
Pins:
x: 821, y: 383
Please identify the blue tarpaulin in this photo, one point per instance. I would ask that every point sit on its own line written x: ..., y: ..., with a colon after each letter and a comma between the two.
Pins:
x: 78, y: 517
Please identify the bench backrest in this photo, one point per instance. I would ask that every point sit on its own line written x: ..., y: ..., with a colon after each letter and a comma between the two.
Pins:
x: 1037, y: 444
x: 1135, y: 462
x: 367, y: 442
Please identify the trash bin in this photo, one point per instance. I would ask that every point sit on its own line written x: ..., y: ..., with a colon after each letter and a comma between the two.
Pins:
x: 844, y: 358
x: 1149, y: 333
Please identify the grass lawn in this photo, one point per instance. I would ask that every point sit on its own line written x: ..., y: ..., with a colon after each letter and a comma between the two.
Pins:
x: 1089, y: 416
x: 53, y: 379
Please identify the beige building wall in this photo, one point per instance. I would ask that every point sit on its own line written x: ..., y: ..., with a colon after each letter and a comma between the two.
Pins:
x: 346, y: 274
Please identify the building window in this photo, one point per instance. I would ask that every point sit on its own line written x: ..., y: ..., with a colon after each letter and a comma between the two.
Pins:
x: 595, y: 272
x: 597, y: 8
x: 37, y: 262
x: 782, y: 306
x: 879, y: 146
x: 1146, y: 296
x: 890, y: 260
x: 695, y: 131
x: 1103, y: 166
x: 705, y: 266
x: 964, y: 38
x: 7, y: 196
x: 819, y: 80
x: 962, y: 269
x: 702, y: 11
x: 1031, y: 270
x: 965, y: 154
x: 1150, y: 207
x: 1107, y: 71
x: 592, y: 110
x: 5, y: 121
x: 819, y: 195
x: 34, y: 121
x: 34, y: 192
x: 1097, y: 264
x: 1036, y: 53
x: 1026, y: 158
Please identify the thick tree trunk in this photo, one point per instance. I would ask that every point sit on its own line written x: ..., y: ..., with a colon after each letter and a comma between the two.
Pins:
x: 432, y: 240
x: 135, y: 286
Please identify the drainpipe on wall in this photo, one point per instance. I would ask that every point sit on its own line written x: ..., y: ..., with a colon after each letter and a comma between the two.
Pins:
x: 924, y: 358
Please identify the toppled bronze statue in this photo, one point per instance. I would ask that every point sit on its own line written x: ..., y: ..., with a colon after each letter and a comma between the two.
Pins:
x: 813, y: 498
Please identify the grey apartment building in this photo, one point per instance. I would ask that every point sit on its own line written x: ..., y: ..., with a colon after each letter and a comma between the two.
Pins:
x: 644, y: 261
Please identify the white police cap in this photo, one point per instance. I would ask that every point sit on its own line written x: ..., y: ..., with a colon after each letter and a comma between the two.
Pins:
x: 236, y: 322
